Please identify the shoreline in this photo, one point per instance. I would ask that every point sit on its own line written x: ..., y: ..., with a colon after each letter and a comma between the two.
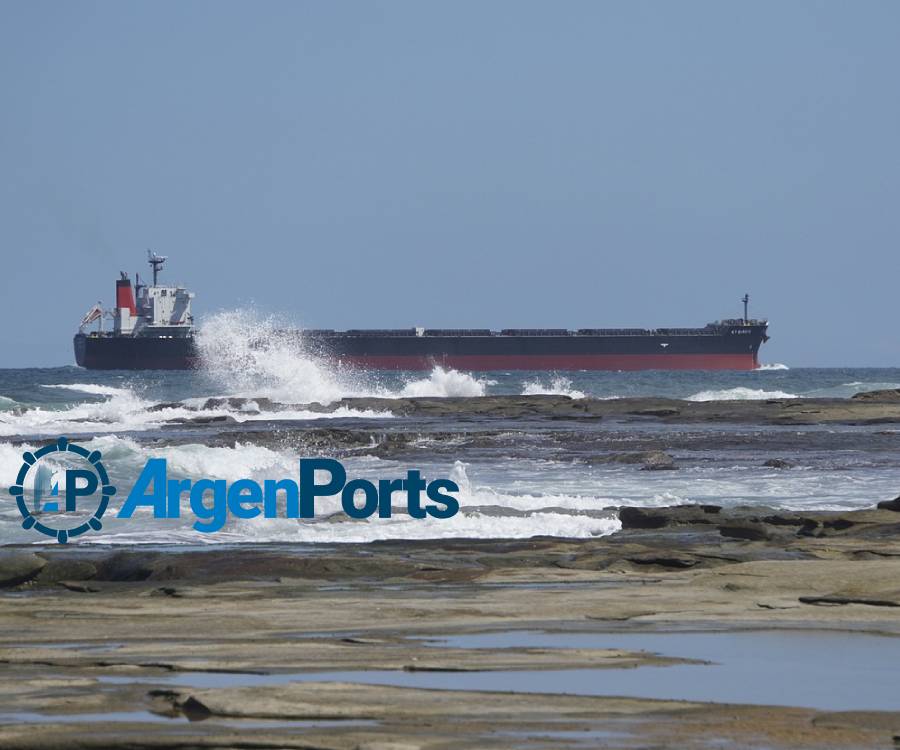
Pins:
x: 866, y: 408
x: 266, y: 610
x: 683, y: 627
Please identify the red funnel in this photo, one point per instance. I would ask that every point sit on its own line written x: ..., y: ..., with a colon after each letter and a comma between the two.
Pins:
x: 125, y: 295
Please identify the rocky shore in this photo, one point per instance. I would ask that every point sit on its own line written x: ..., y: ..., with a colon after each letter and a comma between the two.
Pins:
x: 88, y: 632
x: 873, y: 407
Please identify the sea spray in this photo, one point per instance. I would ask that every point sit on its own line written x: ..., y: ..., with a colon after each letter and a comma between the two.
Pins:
x: 248, y: 354
x: 559, y: 386
x: 445, y: 383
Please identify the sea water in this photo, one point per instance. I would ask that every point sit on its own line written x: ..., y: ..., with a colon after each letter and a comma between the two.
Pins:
x: 517, y: 477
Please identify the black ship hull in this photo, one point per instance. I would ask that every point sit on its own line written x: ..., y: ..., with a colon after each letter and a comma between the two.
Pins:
x: 135, y: 353
x: 733, y: 345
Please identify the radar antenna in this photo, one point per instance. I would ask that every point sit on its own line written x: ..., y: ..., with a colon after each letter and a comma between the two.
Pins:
x: 156, y: 263
x: 746, y: 300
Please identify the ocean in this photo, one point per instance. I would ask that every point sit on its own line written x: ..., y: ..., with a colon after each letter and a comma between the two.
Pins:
x: 518, y: 478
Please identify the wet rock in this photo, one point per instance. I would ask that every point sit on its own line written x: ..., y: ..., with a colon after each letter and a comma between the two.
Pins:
x: 637, y: 518
x: 836, y: 600
x: 882, y: 409
x: 838, y: 524
x: 676, y: 515
x: 890, y: 504
x: 656, y: 412
x: 888, y: 395
x: 810, y: 527
x: 168, y: 591
x: 80, y: 587
x: 65, y: 569
x: 747, y: 531
x: 779, y: 463
x: 672, y: 561
x: 18, y: 567
x: 125, y: 566
x: 658, y: 461
x: 218, y: 419
x: 650, y: 460
x: 242, y: 404
x: 167, y: 405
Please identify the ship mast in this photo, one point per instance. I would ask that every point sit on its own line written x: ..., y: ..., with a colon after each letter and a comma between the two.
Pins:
x: 156, y: 263
x: 746, y: 300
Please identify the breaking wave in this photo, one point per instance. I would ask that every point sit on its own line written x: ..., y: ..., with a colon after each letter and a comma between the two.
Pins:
x: 559, y: 386
x: 244, y: 355
x: 8, y: 404
x: 445, y: 383
x: 773, y: 366
x: 123, y: 410
x: 484, y: 511
x: 846, y: 390
x: 92, y: 388
x: 250, y: 355
x: 512, y: 499
x: 739, y: 394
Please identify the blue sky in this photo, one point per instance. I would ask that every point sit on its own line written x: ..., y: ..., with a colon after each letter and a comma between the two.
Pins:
x: 483, y: 164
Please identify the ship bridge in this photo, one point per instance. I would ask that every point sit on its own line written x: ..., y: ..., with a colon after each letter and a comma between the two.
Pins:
x: 159, y: 311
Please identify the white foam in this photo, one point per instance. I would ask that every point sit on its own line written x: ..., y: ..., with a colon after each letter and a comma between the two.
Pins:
x: 247, y: 354
x: 122, y: 410
x: 519, y: 500
x: 861, y: 387
x: 92, y: 388
x: 559, y: 386
x: 342, y: 412
x: 481, y: 512
x: 739, y: 394
x: 773, y: 366
x: 443, y: 383
x: 125, y: 411
x: 10, y: 462
x: 243, y: 461
x: 252, y: 355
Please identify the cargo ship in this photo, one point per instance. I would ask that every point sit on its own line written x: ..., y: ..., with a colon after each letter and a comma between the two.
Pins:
x: 153, y: 329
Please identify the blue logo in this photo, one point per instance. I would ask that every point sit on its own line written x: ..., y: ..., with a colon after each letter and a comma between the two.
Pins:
x: 64, y: 496
x: 69, y: 491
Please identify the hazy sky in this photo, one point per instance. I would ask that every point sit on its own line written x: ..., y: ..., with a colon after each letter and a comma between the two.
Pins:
x: 471, y: 164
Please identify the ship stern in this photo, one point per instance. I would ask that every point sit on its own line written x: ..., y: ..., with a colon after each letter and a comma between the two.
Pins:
x: 80, y: 344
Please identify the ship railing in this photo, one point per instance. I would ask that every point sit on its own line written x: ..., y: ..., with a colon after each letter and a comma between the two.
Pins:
x: 739, y: 322
x: 380, y: 332
x: 457, y: 332
x: 535, y: 332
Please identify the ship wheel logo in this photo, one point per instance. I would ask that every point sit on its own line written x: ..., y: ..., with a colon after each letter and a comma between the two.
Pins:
x: 56, y: 490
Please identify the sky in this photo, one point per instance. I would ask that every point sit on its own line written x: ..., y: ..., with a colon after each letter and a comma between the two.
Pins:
x: 458, y: 164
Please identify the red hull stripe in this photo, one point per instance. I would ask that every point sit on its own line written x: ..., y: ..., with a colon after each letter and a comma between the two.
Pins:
x: 560, y: 362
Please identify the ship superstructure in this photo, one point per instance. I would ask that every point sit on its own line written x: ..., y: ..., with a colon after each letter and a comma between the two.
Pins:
x: 153, y: 327
x: 156, y: 310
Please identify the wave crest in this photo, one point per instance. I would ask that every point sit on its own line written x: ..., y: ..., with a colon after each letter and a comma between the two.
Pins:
x: 446, y: 383
x: 739, y: 394
x: 559, y: 386
x: 251, y: 355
